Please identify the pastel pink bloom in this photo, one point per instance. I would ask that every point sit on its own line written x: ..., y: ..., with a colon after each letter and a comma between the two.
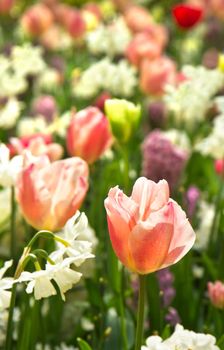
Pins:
x: 37, y: 19
x: 89, y: 134
x: 37, y: 147
x: 75, y: 24
x: 219, y: 166
x: 148, y: 230
x: 50, y: 193
x: 6, y: 6
x: 144, y: 45
x: 216, y: 294
x: 154, y: 75
x: 138, y: 18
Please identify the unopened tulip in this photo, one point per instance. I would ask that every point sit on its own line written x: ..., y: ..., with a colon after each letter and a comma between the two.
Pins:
x: 6, y: 6
x: 124, y: 117
x: 50, y: 193
x: 154, y: 75
x: 138, y: 18
x: 148, y: 230
x: 89, y: 134
x: 143, y: 46
x: 37, y: 19
x: 219, y: 166
x: 216, y: 294
x: 187, y: 16
x: 46, y: 106
x: 75, y: 24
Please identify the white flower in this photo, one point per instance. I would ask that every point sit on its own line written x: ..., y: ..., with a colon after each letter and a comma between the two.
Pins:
x: 39, y: 282
x: 5, y: 284
x: 27, y: 60
x: 30, y: 126
x: 182, y: 339
x: 111, y: 40
x: 190, y: 101
x: 9, y: 113
x: 48, y: 80
x: 9, y: 169
x: 213, y: 144
x: 80, y: 249
x: 206, y: 212
x: 10, y: 82
x: 120, y: 79
x: 5, y: 207
x: 63, y: 275
x: 60, y: 124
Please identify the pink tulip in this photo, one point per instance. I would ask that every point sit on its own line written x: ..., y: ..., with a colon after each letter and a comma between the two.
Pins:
x: 89, y: 134
x: 154, y: 75
x: 143, y: 45
x: 138, y: 18
x: 50, y: 193
x: 37, y: 147
x: 148, y: 230
x: 37, y: 19
x: 216, y: 294
x: 6, y: 6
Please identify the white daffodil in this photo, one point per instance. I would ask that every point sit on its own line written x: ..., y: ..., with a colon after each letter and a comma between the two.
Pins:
x: 10, y: 112
x: 182, y: 339
x: 63, y: 275
x: 39, y: 282
x: 80, y: 249
x: 5, y: 284
x: 9, y: 169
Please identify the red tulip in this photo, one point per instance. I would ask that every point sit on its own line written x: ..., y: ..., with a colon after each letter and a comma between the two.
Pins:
x: 89, y: 134
x: 148, y: 230
x: 219, y: 166
x: 6, y: 6
x: 187, y: 16
x: 50, y: 193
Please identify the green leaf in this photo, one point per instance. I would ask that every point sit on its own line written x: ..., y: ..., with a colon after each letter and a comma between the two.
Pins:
x: 83, y: 344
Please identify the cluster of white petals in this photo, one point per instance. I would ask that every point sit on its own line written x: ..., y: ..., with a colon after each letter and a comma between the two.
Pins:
x: 213, y: 144
x: 111, y: 40
x: 10, y: 112
x: 189, y: 102
x: 205, y: 215
x: 120, y: 79
x: 9, y: 169
x: 182, y: 339
x: 5, y: 284
x: 74, y: 252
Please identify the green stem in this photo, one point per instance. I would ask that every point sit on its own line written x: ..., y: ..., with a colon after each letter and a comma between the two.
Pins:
x: 123, y: 323
x: 140, y: 316
x: 12, y: 223
x: 8, y: 344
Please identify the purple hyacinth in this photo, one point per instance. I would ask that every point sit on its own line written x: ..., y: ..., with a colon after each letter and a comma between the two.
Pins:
x: 172, y: 317
x: 191, y: 198
x: 157, y: 113
x: 162, y: 159
x: 165, y: 280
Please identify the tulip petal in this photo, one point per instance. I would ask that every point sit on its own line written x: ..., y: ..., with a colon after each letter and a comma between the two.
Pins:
x: 149, y: 246
x: 121, y: 214
x: 149, y: 195
x: 183, y: 236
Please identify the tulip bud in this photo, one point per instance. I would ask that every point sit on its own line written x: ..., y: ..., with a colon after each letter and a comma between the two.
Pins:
x: 6, y: 6
x: 219, y: 166
x: 37, y: 19
x: 89, y: 134
x: 124, y: 117
x: 45, y: 106
x: 216, y: 294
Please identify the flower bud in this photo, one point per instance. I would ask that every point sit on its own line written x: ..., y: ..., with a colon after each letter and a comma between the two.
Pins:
x: 124, y: 117
x: 216, y: 294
